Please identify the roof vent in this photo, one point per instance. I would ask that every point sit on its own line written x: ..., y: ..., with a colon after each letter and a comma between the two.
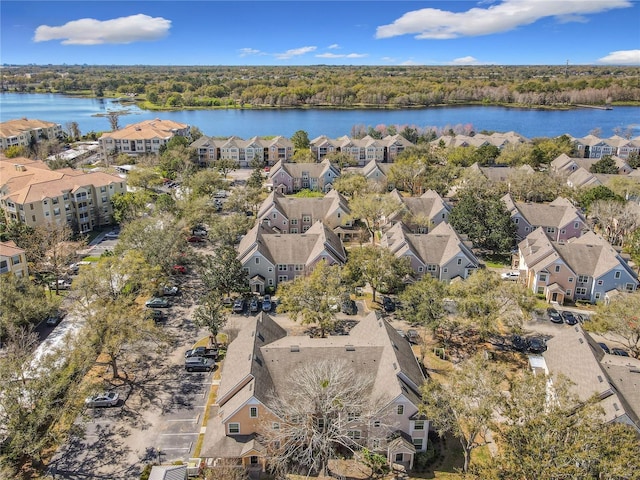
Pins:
x: 295, y: 348
x: 260, y: 337
x: 615, y: 405
x: 395, y: 366
x: 580, y: 340
x: 600, y: 378
x: 350, y: 348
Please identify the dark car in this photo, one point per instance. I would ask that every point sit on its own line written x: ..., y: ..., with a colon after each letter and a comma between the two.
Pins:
x: 388, y: 304
x: 155, y: 315
x: 604, y: 347
x: 519, y: 343
x: 195, y: 239
x: 412, y: 336
x: 554, y: 316
x: 199, y: 364
x: 349, y: 307
x: 157, y: 302
x: 238, y: 305
x: 202, y: 352
x: 537, y: 345
x: 569, y: 318
x: 54, y: 319
x: 620, y: 352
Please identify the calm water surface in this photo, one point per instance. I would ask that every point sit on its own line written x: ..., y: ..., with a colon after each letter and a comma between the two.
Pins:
x: 333, y: 123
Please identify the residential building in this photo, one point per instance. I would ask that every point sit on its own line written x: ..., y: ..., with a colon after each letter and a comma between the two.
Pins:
x: 564, y: 164
x: 271, y: 258
x: 586, y: 268
x: 143, y: 137
x: 499, y: 174
x: 33, y: 194
x: 262, y: 362
x: 243, y: 152
x: 497, y: 139
x: 23, y: 132
x: 560, y: 219
x: 296, y: 215
x: 374, y: 171
x: 293, y: 177
x: 595, y: 147
x: 441, y: 253
x: 362, y: 150
x: 13, y: 260
x: 613, y: 380
x: 419, y: 214
x: 582, y: 178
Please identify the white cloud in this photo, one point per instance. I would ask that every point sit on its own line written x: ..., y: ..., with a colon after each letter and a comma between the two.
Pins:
x: 468, y: 60
x: 294, y: 52
x: 244, y: 52
x: 89, y: 31
x: 622, y: 57
x: 433, y: 23
x: 343, y: 55
x: 333, y: 46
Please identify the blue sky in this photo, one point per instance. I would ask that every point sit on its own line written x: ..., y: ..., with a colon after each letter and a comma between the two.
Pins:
x: 504, y: 32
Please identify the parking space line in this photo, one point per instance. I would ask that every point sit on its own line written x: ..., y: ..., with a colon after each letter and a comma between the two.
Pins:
x: 194, y: 420
x: 178, y: 434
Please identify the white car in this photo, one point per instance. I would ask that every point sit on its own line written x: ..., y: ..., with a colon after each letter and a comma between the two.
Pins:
x: 104, y: 399
x: 513, y: 275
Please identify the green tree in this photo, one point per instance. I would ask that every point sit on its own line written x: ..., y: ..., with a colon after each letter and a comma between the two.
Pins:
x: 14, y: 151
x: 211, y: 314
x: 23, y: 304
x: 485, y: 220
x: 371, y: 209
x: 486, y: 154
x: 620, y: 319
x: 145, y: 178
x: 300, y: 140
x: 587, y: 197
x: 206, y: 183
x: 341, y: 160
x: 303, y: 156
x: 466, y: 404
x: 226, y: 165
x: 422, y: 302
x: 223, y: 272
x: 605, y: 165
x: 377, y: 267
x: 351, y: 184
x: 309, y: 298
x: 563, y: 438
x: 130, y: 205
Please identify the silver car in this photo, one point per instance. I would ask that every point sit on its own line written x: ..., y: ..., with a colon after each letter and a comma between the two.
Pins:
x: 104, y: 399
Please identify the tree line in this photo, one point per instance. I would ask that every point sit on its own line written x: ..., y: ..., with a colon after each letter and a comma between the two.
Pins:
x: 334, y: 86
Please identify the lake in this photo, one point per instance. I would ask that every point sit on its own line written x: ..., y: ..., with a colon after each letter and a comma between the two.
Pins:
x: 246, y: 123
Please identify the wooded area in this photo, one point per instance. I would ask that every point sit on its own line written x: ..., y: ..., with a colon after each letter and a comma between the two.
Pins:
x: 167, y: 87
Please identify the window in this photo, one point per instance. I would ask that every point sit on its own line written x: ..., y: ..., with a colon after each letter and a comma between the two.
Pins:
x: 294, y: 230
x: 581, y: 291
x: 629, y: 287
x: 568, y: 293
x: 375, y: 443
x: 253, y: 412
x: 540, y: 290
x: 234, y: 428
x: 445, y: 270
x: 400, y: 410
x: 419, y: 425
x: 353, y: 416
x: 282, y: 267
x: 420, y: 269
x: 299, y: 268
x: 583, y: 278
x: 257, y: 260
x: 551, y: 230
x: 354, y: 434
x: 617, y: 275
x: 275, y: 426
x: 600, y: 282
x: 417, y: 442
x: 597, y: 295
x: 576, y: 225
x: 275, y: 215
x: 270, y: 269
x: 543, y: 277
x: 306, y: 218
x: 270, y: 282
x: 294, y: 221
x: 282, y: 278
x: 432, y: 268
x: 399, y: 457
x: 516, y: 220
x: 570, y: 279
x: 459, y: 261
x: 376, y: 423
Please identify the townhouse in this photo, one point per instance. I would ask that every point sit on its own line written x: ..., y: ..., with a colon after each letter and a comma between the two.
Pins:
x: 243, y: 152
x: 559, y: 219
x: 297, y: 215
x: 591, y: 146
x: 142, y: 138
x: 565, y: 165
x: 613, y: 380
x: 23, y: 132
x: 262, y: 361
x: 270, y: 258
x: 586, y: 268
x: 13, y: 260
x: 441, y: 253
x: 419, y: 214
x: 497, y: 139
x: 362, y: 150
x: 33, y: 194
x: 289, y: 178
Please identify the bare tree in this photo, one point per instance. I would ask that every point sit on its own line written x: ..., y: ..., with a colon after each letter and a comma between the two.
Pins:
x: 114, y: 118
x: 226, y: 469
x: 316, y: 411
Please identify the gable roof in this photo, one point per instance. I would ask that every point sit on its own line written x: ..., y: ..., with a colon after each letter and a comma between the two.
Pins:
x: 13, y: 128
x: 147, y: 129
x: 558, y: 213
x: 10, y: 249
x: 429, y: 204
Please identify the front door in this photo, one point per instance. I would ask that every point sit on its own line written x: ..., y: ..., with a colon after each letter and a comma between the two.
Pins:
x: 554, y: 297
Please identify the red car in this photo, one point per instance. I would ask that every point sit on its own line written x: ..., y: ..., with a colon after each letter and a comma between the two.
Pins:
x: 195, y: 239
x: 179, y: 269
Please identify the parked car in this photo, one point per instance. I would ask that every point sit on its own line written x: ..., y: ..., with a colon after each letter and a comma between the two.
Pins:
x: 604, y: 347
x: 537, y: 345
x: 401, y: 333
x: 199, y: 231
x: 412, y: 336
x: 202, y: 352
x: 519, y: 343
x: 620, y: 352
x: 181, y: 269
x: 254, y: 304
x: 349, y: 307
x: 155, y: 315
x: 238, y: 305
x: 266, y: 303
x: 54, y: 319
x: 195, y: 239
x: 388, y: 304
x: 513, y: 275
x: 199, y: 364
x: 62, y: 284
x: 569, y: 318
x: 170, y: 290
x: 157, y: 302
x: 112, y: 235
x: 554, y: 316
x: 220, y: 194
x: 104, y: 399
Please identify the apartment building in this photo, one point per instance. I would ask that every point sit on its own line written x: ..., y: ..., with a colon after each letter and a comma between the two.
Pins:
x: 143, y: 137
x: 591, y: 146
x: 243, y: 152
x: 13, y: 260
x: 22, y: 132
x: 33, y: 194
x: 362, y: 150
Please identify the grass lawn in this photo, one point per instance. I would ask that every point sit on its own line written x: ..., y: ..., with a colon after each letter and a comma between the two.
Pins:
x: 497, y: 261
